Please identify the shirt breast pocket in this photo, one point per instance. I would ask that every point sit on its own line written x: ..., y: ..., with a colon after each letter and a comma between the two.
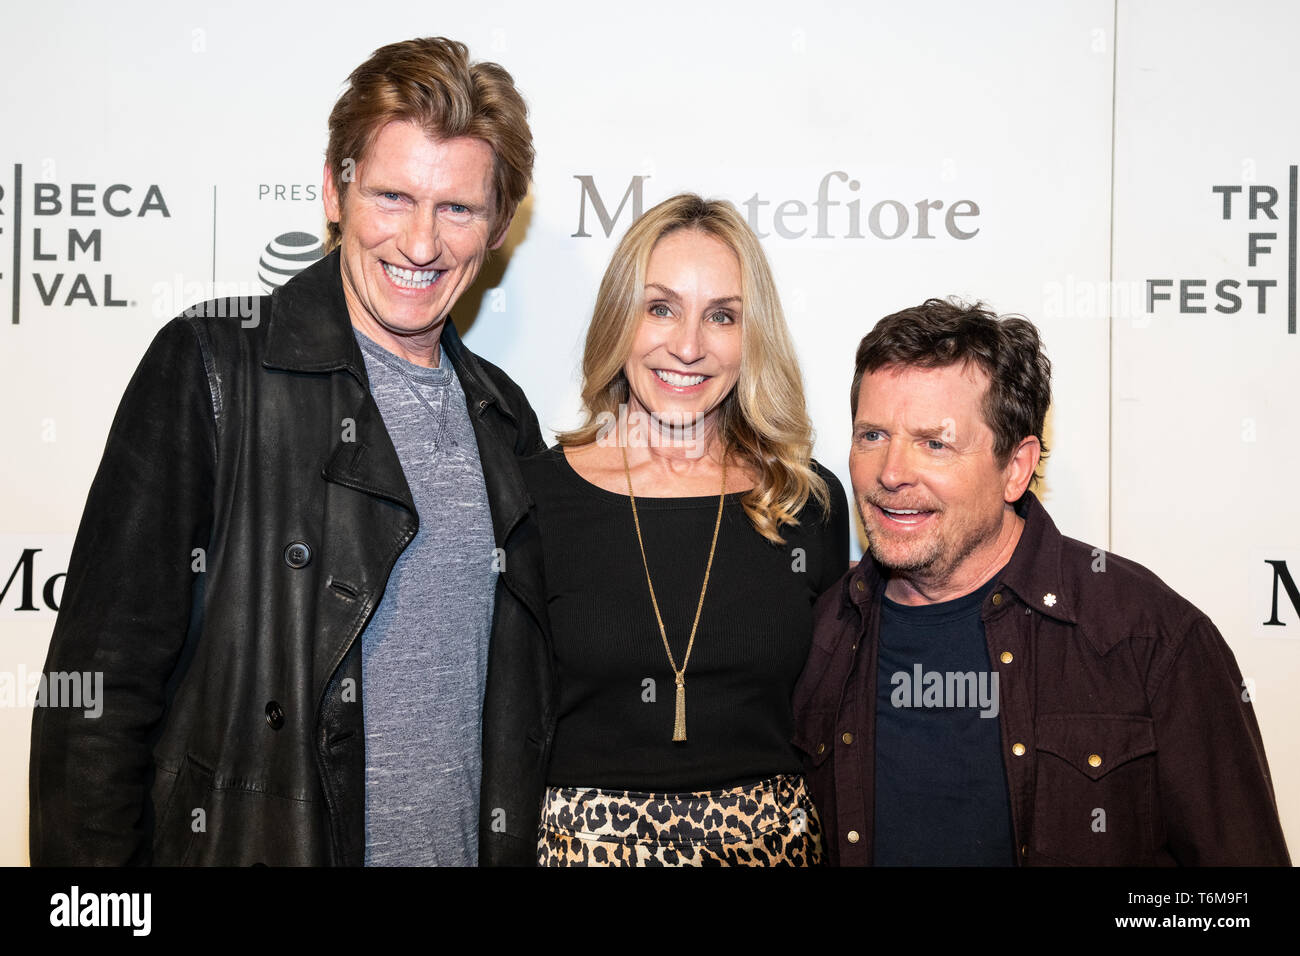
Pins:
x: 1095, y: 789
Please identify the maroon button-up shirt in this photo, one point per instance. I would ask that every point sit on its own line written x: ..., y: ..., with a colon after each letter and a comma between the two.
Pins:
x: 1127, y: 733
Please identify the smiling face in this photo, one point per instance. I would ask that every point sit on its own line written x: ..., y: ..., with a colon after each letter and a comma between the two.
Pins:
x: 934, y: 501
x: 417, y: 225
x: 685, y: 357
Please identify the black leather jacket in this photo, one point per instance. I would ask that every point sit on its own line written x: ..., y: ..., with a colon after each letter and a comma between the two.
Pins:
x: 236, y: 540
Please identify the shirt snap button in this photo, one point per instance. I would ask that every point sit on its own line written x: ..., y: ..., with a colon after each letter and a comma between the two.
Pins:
x: 274, y: 715
x: 1007, y: 657
x: 846, y: 737
x: 1094, y: 760
x: 1018, y: 749
x: 852, y: 836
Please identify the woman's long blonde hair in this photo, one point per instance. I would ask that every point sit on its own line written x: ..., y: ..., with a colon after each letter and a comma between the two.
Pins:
x: 763, y: 420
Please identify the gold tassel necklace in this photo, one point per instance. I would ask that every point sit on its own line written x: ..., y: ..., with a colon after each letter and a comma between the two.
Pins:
x: 679, y: 723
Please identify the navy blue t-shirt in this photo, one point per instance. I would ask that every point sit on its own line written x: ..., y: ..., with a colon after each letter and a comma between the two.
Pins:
x: 941, y: 790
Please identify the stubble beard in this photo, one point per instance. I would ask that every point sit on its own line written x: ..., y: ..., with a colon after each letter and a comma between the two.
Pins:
x: 933, y: 560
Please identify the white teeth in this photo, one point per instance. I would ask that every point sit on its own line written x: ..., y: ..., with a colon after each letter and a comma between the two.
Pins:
x: 899, y: 511
x: 411, y: 278
x: 682, y: 381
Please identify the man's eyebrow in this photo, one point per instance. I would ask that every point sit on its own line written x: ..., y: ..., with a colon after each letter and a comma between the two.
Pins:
x: 933, y: 431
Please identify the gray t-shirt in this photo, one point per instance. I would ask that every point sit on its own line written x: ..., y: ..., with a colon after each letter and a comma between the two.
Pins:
x: 424, y: 652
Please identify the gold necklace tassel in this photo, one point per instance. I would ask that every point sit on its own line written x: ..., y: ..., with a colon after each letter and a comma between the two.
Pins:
x: 679, y: 726
x: 679, y: 723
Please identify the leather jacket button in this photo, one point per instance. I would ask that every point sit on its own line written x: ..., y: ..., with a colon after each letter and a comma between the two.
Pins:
x: 274, y: 715
x: 297, y: 555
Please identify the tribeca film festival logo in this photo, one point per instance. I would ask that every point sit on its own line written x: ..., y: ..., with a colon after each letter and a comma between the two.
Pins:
x: 1260, y: 209
x: 64, y: 253
x: 792, y: 218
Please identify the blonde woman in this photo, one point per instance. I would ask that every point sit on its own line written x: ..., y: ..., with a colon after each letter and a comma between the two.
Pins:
x: 686, y: 533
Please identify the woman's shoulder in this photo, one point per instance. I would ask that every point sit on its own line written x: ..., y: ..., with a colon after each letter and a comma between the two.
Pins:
x: 543, y: 467
x: 826, y: 474
x: 547, y: 456
x: 836, y: 500
x: 560, y: 472
x: 833, y: 484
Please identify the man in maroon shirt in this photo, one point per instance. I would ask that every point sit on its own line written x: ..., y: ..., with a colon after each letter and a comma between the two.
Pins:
x: 1124, y: 734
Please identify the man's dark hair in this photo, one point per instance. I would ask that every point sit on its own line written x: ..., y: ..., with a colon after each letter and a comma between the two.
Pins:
x: 938, y: 333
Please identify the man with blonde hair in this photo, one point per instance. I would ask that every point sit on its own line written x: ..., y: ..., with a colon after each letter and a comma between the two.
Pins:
x: 298, y: 555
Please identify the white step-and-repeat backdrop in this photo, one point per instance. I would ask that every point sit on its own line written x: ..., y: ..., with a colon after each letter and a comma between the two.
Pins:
x: 1123, y: 174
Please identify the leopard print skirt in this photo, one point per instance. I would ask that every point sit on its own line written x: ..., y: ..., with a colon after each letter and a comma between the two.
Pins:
x: 769, y: 823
